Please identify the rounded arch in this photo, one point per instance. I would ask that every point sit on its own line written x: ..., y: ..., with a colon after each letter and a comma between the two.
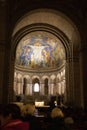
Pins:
x: 43, y: 19
x: 27, y: 77
x: 52, y: 30
x: 47, y: 16
x: 52, y: 78
x: 62, y: 27
x: 36, y: 85
x: 45, y: 77
x: 35, y: 77
x: 35, y: 80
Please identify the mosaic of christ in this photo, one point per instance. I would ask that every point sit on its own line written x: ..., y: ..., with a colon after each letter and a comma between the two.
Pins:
x: 40, y: 50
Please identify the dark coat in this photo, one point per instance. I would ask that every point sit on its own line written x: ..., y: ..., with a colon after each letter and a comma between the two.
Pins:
x: 57, y: 124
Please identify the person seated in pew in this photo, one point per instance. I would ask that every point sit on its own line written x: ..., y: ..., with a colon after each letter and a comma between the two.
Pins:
x: 10, y: 118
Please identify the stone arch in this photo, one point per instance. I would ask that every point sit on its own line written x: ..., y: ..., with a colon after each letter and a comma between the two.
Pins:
x: 63, y: 27
x: 47, y: 16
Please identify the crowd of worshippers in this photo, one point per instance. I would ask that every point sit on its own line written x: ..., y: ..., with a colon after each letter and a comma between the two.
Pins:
x: 21, y: 117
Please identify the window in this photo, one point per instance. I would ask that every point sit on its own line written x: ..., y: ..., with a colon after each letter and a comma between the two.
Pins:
x: 36, y: 87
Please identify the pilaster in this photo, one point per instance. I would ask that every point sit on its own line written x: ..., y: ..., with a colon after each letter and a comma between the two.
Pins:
x: 2, y: 58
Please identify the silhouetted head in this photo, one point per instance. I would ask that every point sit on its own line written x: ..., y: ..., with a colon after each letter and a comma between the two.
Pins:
x: 57, y: 112
x: 10, y: 109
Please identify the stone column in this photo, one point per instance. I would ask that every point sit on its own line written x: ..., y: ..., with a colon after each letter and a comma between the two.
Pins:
x: 27, y: 92
x: 59, y: 88
x: 21, y: 91
x: 31, y: 89
x: 15, y: 85
x: 83, y: 77
x: 65, y: 94
x: 4, y: 53
x: 83, y: 63
x: 69, y: 81
x: 2, y: 72
x: 76, y: 82
x: 18, y: 88
x: 11, y: 94
x: 51, y: 89
x: 42, y: 88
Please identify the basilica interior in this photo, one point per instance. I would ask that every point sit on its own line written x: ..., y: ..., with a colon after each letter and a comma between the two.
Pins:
x: 40, y: 67
x: 43, y: 49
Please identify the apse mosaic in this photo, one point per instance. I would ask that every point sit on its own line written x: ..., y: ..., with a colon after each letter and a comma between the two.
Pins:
x: 40, y: 50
